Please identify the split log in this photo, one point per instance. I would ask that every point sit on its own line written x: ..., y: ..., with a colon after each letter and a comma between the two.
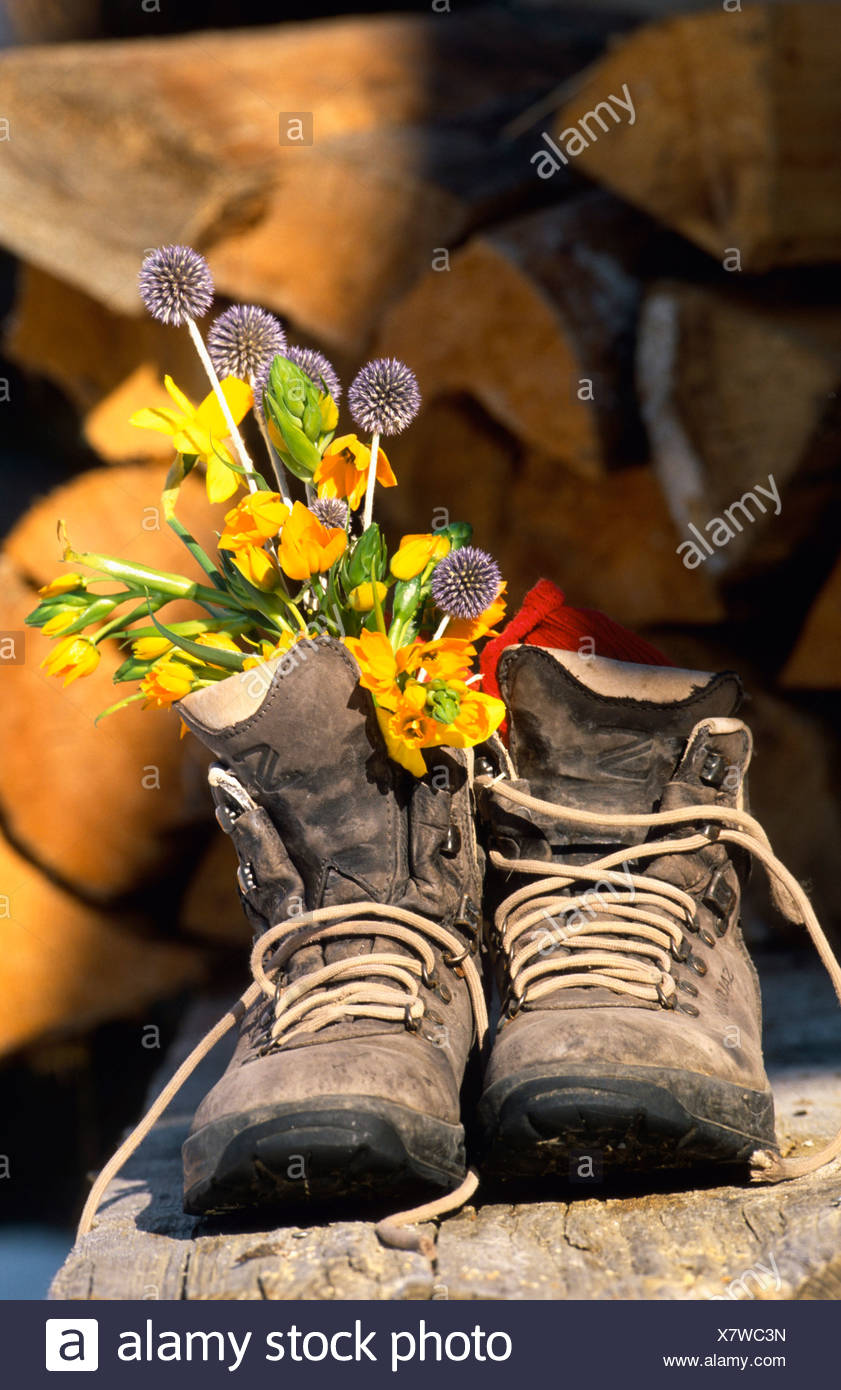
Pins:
x: 535, y: 321
x: 677, y: 1244
x: 608, y: 544
x: 399, y: 151
x: 107, y: 808
x: 735, y: 135
x: 815, y: 663
x: 108, y: 364
x: 739, y: 400
x: 67, y: 966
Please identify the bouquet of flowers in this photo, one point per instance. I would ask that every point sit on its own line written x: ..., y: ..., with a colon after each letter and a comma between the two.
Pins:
x: 287, y: 569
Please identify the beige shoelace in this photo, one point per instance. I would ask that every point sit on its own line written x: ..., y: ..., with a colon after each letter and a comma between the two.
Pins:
x: 341, y: 990
x: 628, y: 948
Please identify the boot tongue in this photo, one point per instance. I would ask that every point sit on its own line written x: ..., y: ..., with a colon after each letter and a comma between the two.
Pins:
x: 604, y: 735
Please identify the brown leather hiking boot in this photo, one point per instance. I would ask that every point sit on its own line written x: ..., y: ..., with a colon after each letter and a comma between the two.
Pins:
x: 363, y: 886
x: 631, y: 1024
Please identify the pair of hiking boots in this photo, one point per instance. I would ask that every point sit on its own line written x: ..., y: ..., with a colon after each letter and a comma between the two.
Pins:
x: 585, y: 883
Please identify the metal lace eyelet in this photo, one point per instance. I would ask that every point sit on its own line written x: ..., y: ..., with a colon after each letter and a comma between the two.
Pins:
x: 689, y: 1009
x: 445, y: 994
x: 454, y: 963
x: 429, y: 978
x: 699, y: 966
x: 666, y: 1000
x: 681, y: 950
x: 514, y: 1007
x: 688, y: 988
x: 707, y: 937
x: 713, y: 770
x: 412, y: 1024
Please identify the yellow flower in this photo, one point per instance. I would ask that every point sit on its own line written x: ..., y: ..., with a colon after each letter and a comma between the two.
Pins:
x: 479, y: 716
x: 149, y: 648
x: 471, y: 629
x: 415, y: 552
x: 62, y: 584
x: 446, y: 659
x: 407, y: 728
x: 167, y: 682
x: 361, y: 599
x: 53, y: 626
x: 71, y: 658
x: 307, y: 547
x: 201, y: 429
x: 377, y: 664
x: 257, y: 566
x: 343, y: 472
x: 269, y: 651
x: 255, y: 520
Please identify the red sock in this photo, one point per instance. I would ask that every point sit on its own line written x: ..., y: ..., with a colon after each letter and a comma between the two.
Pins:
x: 546, y: 620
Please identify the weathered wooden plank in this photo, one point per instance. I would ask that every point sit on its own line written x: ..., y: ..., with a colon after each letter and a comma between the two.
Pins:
x: 732, y: 1242
x: 735, y: 130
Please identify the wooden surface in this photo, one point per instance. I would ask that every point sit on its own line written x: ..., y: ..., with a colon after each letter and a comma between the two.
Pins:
x: 666, y: 1242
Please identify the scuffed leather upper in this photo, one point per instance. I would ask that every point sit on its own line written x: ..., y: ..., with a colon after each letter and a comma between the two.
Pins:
x: 338, y: 822
x: 574, y: 746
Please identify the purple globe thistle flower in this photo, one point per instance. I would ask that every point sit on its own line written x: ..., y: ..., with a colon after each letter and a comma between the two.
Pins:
x: 330, y: 511
x: 243, y: 340
x: 175, y: 284
x: 317, y: 368
x: 465, y: 582
x: 384, y: 397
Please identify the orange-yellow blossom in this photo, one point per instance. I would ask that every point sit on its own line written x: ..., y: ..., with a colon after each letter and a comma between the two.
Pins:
x: 71, y: 658
x: 344, y: 469
x: 306, y: 547
x: 415, y: 552
x: 253, y: 521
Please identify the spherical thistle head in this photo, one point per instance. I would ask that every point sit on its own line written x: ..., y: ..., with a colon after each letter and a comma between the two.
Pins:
x: 465, y: 582
x: 243, y: 340
x: 175, y: 284
x: 384, y: 397
x: 318, y: 369
x: 330, y: 511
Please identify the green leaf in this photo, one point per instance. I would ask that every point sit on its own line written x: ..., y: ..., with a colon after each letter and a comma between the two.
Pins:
x: 133, y: 670
x: 210, y: 656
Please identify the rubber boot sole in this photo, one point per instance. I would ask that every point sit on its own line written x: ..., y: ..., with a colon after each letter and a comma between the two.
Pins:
x: 635, y: 1118
x: 358, y: 1149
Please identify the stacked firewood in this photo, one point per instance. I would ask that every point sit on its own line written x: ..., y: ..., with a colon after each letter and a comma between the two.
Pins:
x: 612, y: 261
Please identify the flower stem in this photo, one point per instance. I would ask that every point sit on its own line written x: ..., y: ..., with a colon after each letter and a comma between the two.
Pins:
x: 239, y: 445
x: 441, y: 628
x: 368, y: 514
x: 274, y: 458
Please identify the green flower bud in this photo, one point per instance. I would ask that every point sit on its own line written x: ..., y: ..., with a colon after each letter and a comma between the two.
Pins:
x: 367, y: 560
x: 442, y: 703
